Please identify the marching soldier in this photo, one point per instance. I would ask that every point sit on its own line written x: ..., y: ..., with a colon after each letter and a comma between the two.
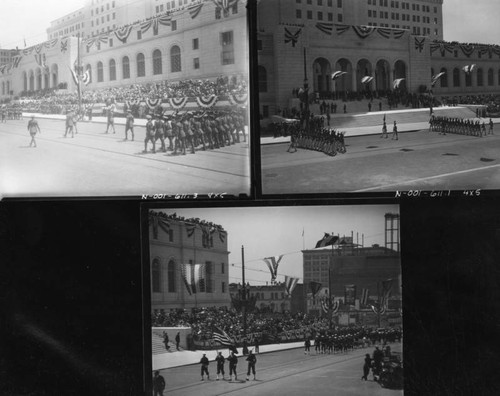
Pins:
x: 168, y: 132
x: 69, y: 124
x: 110, y: 119
x: 384, y: 131
x: 233, y: 362
x: 395, y: 131
x: 180, y: 136
x: 150, y: 134
x: 158, y: 126
x: 491, y: 127
x: 188, y: 131
x: 204, y: 367
x: 220, y: 365
x: 251, y: 359
x: 129, y: 125
x: 33, y: 128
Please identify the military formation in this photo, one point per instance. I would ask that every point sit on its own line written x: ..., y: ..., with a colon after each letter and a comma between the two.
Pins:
x: 10, y: 113
x: 460, y: 126
x: 206, y: 130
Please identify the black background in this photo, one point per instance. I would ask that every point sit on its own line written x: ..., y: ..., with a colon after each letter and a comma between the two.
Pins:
x: 74, y: 314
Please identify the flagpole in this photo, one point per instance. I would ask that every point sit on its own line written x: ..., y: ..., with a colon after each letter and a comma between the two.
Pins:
x: 80, y: 73
x: 244, y: 296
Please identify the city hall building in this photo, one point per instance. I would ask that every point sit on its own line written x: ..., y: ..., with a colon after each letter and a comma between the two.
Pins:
x: 181, y: 40
x: 386, y: 40
x: 188, y: 263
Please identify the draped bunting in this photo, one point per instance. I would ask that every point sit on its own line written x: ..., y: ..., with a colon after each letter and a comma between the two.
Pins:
x: 342, y: 29
x: 328, y: 305
x: 103, y: 38
x: 442, y: 47
x: 363, y: 31
x: 225, y: 5
x: 16, y: 61
x: 123, y: 33
x: 384, y: 32
x: 64, y: 46
x: 50, y: 43
x: 206, y: 101
x: 38, y: 48
x: 468, y: 50
x: 2, y: 68
x: 132, y: 102
x: 292, y: 37
x: 152, y: 103
x: 40, y: 59
x: 419, y: 44
x: 177, y: 103
x: 326, y: 28
x: 238, y: 99
x: 272, y: 264
x: 165, y: 20
x: 28, y: 51
x: 314, y: 286
x: 157, y: 220
x: 290, y: 284
x: 398, y: 33
x: 194, y: 10
x: 190, y: 228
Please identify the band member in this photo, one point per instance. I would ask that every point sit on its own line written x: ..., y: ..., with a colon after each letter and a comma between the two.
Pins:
x: 129, y: 125
x: 220, y: 365
x: 150, y: 134
x: 251, y: 359
x: 204, y: 367
x: 33, y: 128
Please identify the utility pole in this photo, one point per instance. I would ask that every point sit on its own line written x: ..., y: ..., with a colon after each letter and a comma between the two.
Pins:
x: 306, y: 94
x: 244, y: 294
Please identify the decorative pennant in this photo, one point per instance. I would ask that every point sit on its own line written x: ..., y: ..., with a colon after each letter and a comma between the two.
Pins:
x: 292, y: 37
x: 326, y: 28
x: 64, y: 46
x: 238, y: 99
x: 363, y: 31
x: 341, y: 29
x: 123, y: 33
x: 206, y: 101
x: 194, y: 10
x: 419, y: 44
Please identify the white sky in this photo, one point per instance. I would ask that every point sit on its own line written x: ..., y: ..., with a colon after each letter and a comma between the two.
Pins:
x: 272, y: 231
x: 464, y: 20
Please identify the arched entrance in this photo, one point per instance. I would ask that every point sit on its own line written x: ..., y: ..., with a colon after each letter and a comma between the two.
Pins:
x: 400, y: 72
x: 364, y: 68
x: 322, y: 74
x: 382, y: 75
x: 344, y: 83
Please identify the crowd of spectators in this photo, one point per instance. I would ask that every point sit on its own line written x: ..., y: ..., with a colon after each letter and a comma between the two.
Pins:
x: 191, y: 220
x: 491, y: 101
x: 270, y: 324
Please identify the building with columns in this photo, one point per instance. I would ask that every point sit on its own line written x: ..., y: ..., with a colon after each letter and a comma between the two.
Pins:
x: 311, y: 39
x: 201, y: 40
x: 188, y: 263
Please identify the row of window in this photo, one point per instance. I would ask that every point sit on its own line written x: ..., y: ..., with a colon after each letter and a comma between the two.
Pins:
x: 468, y: 78
x: 103, y: 19
x: 404, y: 17
x: 309, y: 15
x: 102, y: 9
x: 404, y: 5
x: 321, y: 3
x: 170, y: 5
x: 206, y: 284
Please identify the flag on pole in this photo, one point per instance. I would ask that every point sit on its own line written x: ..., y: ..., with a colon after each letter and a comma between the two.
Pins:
x: 193, y: 276
x: 272, y: 264
x: 221, y: 336
x: 436, y: 78
x: 397, y: 82
x: 469, y: 68
x: 367, y: 79
x: 338, y: 74
x: 290, y: 284
x: 327, y: 240
x: 314, y: 286
x: 364, y: 297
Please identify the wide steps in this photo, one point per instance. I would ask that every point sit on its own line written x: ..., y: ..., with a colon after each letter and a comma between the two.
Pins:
x: 157, y: 345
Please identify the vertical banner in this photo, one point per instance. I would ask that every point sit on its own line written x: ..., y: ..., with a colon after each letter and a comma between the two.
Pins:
x: 350, y: 294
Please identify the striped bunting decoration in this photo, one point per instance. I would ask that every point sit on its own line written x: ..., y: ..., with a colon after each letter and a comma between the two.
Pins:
x: 64, y: 46
x: 363, y: 31
x: 342, y: 29
x: 206, y: 101
x: 28, y: 51
x: 292, y: 37
x: 152, y: 103
x: 38, y: 48
x: 123, y: 33
x: 398, y: 33
x: 194, y: 10
x: 326, y: 28
x: 442, y: 47
x: 386, y: 33
x: 17, y: 60
x: 177, y: 103
x: 238, y: 99
x: 50, y: 43
x: 419, y: 44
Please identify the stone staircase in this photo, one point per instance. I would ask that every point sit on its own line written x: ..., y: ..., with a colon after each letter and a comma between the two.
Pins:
x: 157, y: 345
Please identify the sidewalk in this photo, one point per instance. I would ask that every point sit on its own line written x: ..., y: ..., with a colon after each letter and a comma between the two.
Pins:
x: 185, y: 358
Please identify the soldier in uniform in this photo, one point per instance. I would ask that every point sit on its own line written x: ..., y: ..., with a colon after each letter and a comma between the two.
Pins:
x: 188, y: 131
x: 395, y: 131
x: 129, y: 125
x: 158, y: 384
x: 199, y: 135
x: 233, y: 363
x: 204, y: 367
x: 158, y: 125
x: 220, y: 365
x: 491, y: 127
x: 180, y: 135
x: 33, y: 128
x: 110, y: 119
x: 384, y: 131
x: 168, y: 132
x: 69, y: 124
x: 251, y: 359
x: 150, y: 134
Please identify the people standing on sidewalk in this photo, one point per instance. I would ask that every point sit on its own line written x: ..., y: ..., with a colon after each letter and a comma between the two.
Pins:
x: 204, y: 367
x: 178, y: 336
x: 395, y: 131
x: 251, y: 359
x: 220, y: 365
x: 256, y: 345
x: 366, y: 367
x: 491, y: 127
x: 307, y: 345
x: 158, y: 384
x: 166, y: 340
x: 233, y: 363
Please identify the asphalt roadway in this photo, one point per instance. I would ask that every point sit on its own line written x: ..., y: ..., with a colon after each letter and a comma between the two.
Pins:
x: 95, y: 164
x: 287, y: 373
x: 419, y: 160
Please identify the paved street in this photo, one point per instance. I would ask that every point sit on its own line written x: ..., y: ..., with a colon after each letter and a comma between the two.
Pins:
x: 418, y: 160
x: 289, y: 373
x: 98, y: 164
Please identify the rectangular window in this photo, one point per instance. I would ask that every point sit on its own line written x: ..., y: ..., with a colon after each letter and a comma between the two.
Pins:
x: 339, y: 3
x: 259, y: 45
x: 309, y: 14
x: 265, y: 111
x: 330, y: 17
x: 209, y: 287
x: 340, y: 18
x: 174, y: 25
x: 320, y: 3
x: 195, y: 44
x: 298, y: 14
x: 227, y: 48
x: 170, y: 235
x: 223, y: 287
x: 107, y: 17
x: 110, y: 41
x: 196, y: 63
x: 222, y: 268
x: 320, y: 16
x: 139, y: 35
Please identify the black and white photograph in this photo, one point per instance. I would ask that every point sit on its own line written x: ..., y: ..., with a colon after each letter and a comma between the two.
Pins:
x: 121, y: 98
x: 307, y: 299
x: 371, y: 96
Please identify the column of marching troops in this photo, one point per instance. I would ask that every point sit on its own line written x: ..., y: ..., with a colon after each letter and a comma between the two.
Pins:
x: 10, y: 114
x: 460, y: 126
x: 210, y: 130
